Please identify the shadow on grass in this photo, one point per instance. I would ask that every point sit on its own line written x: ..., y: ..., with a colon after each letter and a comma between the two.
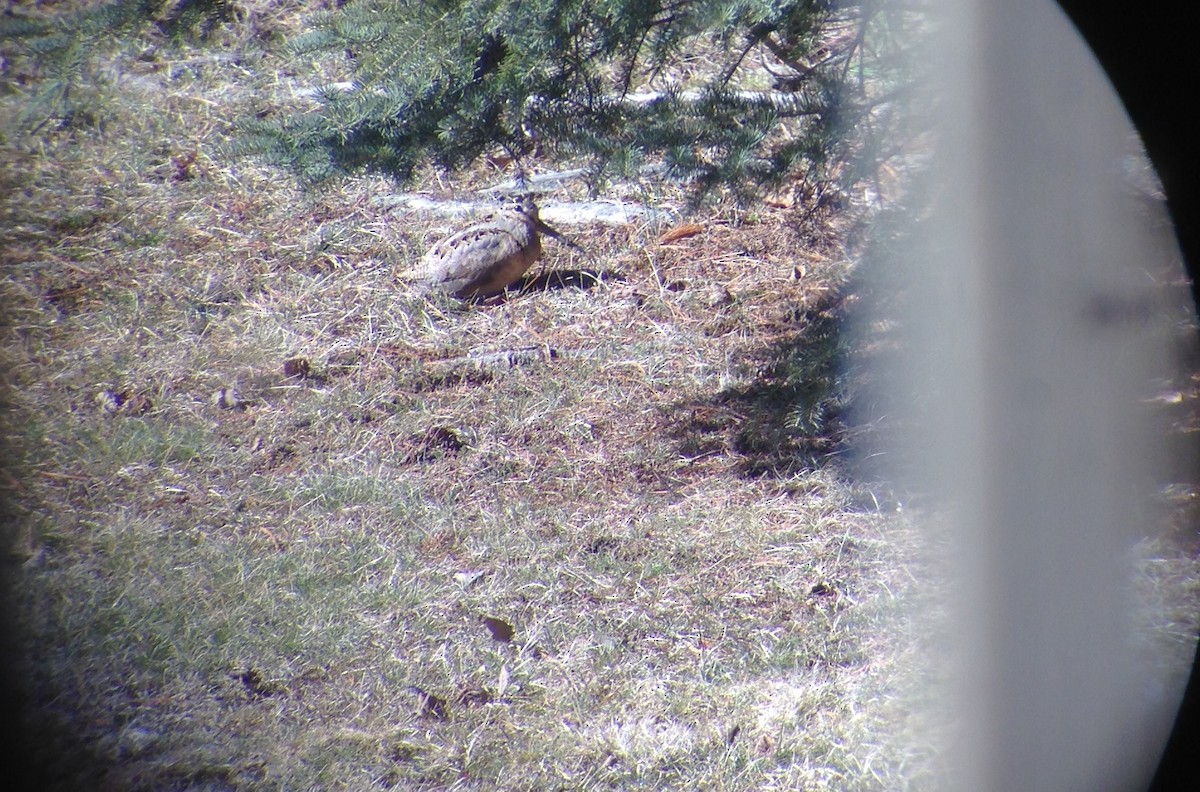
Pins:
x: 582, y: 279
x: 790, y: 417
x: 52, y: 753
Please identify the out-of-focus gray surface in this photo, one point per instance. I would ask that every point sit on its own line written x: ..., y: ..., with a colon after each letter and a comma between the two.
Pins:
x: 1039, y: 329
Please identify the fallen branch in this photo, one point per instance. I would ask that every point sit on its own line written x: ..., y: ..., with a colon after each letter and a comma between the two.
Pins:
x: 484, y: 366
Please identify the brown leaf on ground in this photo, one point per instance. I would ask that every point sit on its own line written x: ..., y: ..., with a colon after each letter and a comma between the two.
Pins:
x: 256, y: 685
x: 680, y: 232
x: 228, y: 399
x: 429, y: 705
x: 297, y: 368
x: 183, y: 166
x: 124, y: 402
x: 473, y: 696
x: 501, y: 630
x: 435, y: 443
x: 822, y: 590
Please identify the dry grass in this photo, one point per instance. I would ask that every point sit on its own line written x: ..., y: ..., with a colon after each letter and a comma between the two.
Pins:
x: 238, y: 570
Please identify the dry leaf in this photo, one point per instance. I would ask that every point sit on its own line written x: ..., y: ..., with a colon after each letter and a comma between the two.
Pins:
x: 297, y: 368
x: 429, y: 705
x: 680, y: 232
x: 140, y: 404
x: 501, y: 630
x: 436, y: 443
x: 228, y: 399
x: 468, y: 579
x: 473, y: 696
x: 124, y: 402
x: 183, y: 166
x: 718, y: 296
x: 256, y: 685
x: 111, y: 401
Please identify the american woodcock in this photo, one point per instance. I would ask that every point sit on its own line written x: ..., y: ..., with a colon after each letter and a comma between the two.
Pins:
x: 484, y: 258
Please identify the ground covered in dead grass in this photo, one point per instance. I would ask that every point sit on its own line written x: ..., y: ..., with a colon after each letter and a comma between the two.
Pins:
x: 280, y: 522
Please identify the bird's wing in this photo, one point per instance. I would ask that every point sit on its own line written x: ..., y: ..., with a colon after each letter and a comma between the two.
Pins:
x: 471, y: 252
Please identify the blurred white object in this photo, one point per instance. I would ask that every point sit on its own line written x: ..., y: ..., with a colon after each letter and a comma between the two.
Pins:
x: 1037, y: 337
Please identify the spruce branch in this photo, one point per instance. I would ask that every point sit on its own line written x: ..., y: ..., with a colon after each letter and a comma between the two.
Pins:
x: 447, y: 82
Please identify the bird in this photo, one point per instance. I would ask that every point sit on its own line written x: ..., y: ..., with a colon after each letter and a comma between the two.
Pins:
x: 483, y: 259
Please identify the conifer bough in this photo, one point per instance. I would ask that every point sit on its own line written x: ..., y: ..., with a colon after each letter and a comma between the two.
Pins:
x: 740, y: 95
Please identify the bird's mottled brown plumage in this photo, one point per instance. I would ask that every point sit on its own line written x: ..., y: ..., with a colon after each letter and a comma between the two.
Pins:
x: 482, y: 259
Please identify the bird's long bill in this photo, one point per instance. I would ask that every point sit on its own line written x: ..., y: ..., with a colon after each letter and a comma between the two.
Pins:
x: 550, y: 232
